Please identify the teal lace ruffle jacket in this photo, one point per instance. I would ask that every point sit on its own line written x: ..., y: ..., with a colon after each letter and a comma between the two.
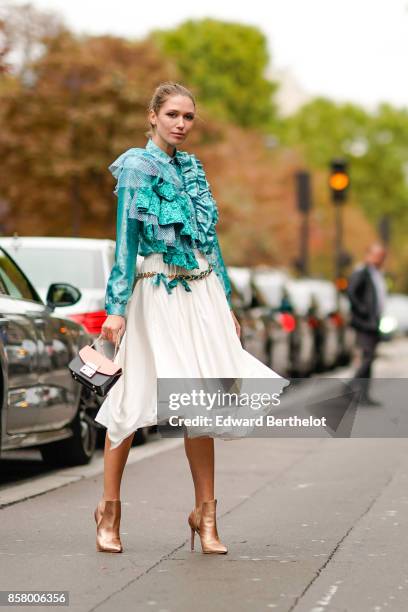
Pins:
x: 164, y: 205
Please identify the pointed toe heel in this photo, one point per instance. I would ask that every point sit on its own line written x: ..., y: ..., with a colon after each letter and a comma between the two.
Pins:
x: 203, y: 521
x: 107, y: 517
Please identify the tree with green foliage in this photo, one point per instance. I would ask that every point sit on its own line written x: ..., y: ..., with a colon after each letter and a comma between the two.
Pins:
x: 375, y: 145
x: 224, y: 64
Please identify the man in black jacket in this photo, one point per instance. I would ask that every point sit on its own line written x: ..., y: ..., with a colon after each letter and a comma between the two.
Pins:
x: 367, y: 294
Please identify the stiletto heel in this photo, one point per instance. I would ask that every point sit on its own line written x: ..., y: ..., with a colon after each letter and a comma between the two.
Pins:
x: 192, y: 538
x: 193, y: 521
x: 203, y: 521
x: 107, y: 526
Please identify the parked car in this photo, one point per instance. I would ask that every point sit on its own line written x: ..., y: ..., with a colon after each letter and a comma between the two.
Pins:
x: 328, y: 319
x: 41, y: 405
x: 83, y: 262
x: 253, y: 330
x: 306, y: 358
x: 274, y: 307
x: 334, y: 310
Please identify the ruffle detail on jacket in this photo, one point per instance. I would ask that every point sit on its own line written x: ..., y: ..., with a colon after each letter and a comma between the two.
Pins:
x: 135, y: 168
x: 159, y: 204
x: 177, y: 216
x: 159, y: 201
x: 198, y: 189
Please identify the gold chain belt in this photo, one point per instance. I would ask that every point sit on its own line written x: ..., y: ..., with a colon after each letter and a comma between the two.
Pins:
x: 185, y: 276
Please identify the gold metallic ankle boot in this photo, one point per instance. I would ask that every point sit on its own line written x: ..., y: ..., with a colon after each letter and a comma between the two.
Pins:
x: 203, y: 521
x: 107, y: 518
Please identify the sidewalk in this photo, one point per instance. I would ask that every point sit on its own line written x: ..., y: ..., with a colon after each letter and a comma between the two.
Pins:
x: 312, y: 525
x: 306, y: 521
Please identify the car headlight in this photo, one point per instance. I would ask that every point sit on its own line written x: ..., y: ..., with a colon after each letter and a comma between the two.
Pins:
x: 388, y: 325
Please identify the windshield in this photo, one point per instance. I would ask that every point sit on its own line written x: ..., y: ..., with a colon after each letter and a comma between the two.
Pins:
x: 271, y: 287
x: 300, y: 297
x: 83, y: 269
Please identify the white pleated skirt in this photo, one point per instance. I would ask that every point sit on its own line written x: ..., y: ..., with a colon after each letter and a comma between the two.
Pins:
x: 178, y: 335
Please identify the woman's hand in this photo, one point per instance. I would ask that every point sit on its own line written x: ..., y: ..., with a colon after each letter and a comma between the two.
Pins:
x: 237, y: 325
x: 112, y: 326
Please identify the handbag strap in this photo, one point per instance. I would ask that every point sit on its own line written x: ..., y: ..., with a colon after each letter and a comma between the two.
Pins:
x: 100, y: 337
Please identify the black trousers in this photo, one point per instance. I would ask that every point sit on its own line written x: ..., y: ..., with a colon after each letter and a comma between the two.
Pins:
x: 367, y: 343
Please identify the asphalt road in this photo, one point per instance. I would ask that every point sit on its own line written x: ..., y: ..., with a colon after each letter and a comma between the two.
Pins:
x: 312, y: 525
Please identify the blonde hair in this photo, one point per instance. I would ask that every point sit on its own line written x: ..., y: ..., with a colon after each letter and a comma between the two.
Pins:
x: 161, y: 94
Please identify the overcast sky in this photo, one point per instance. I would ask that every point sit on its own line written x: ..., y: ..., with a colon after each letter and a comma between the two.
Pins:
x: 353, y: 50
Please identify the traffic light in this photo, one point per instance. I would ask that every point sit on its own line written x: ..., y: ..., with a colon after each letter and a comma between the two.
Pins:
x: 384, y: 228
x: 339, y: 180
x: 341, y: 283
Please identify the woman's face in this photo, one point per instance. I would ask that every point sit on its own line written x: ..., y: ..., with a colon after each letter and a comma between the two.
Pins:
x: 174, y: 120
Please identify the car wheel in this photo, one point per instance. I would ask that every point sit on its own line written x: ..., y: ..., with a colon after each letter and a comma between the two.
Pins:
x: 268, y: 352
x: 77, y: 450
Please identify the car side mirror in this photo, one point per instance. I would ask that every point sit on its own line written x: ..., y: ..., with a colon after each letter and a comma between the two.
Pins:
x: 62, y: 294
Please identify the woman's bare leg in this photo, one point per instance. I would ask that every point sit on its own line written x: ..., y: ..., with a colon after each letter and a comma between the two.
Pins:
x: 114, y: 464
x: 200, y: 455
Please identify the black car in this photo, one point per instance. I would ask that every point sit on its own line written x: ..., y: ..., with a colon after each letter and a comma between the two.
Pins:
x: 41, y: 405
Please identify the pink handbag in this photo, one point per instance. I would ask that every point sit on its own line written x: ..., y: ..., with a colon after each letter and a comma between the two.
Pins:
x: 94, y: 370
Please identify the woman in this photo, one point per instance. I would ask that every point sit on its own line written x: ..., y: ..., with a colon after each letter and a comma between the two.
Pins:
x: 172, y: 326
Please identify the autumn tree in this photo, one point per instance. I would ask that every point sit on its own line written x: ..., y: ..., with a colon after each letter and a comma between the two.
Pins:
x: 84, y: 104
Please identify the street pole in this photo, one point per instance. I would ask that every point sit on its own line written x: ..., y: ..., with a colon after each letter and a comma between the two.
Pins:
x: 304, y: 204
x: 338, y: 241
x: 304, y: 243
x: 339, y: 181
x: 384, y: 229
